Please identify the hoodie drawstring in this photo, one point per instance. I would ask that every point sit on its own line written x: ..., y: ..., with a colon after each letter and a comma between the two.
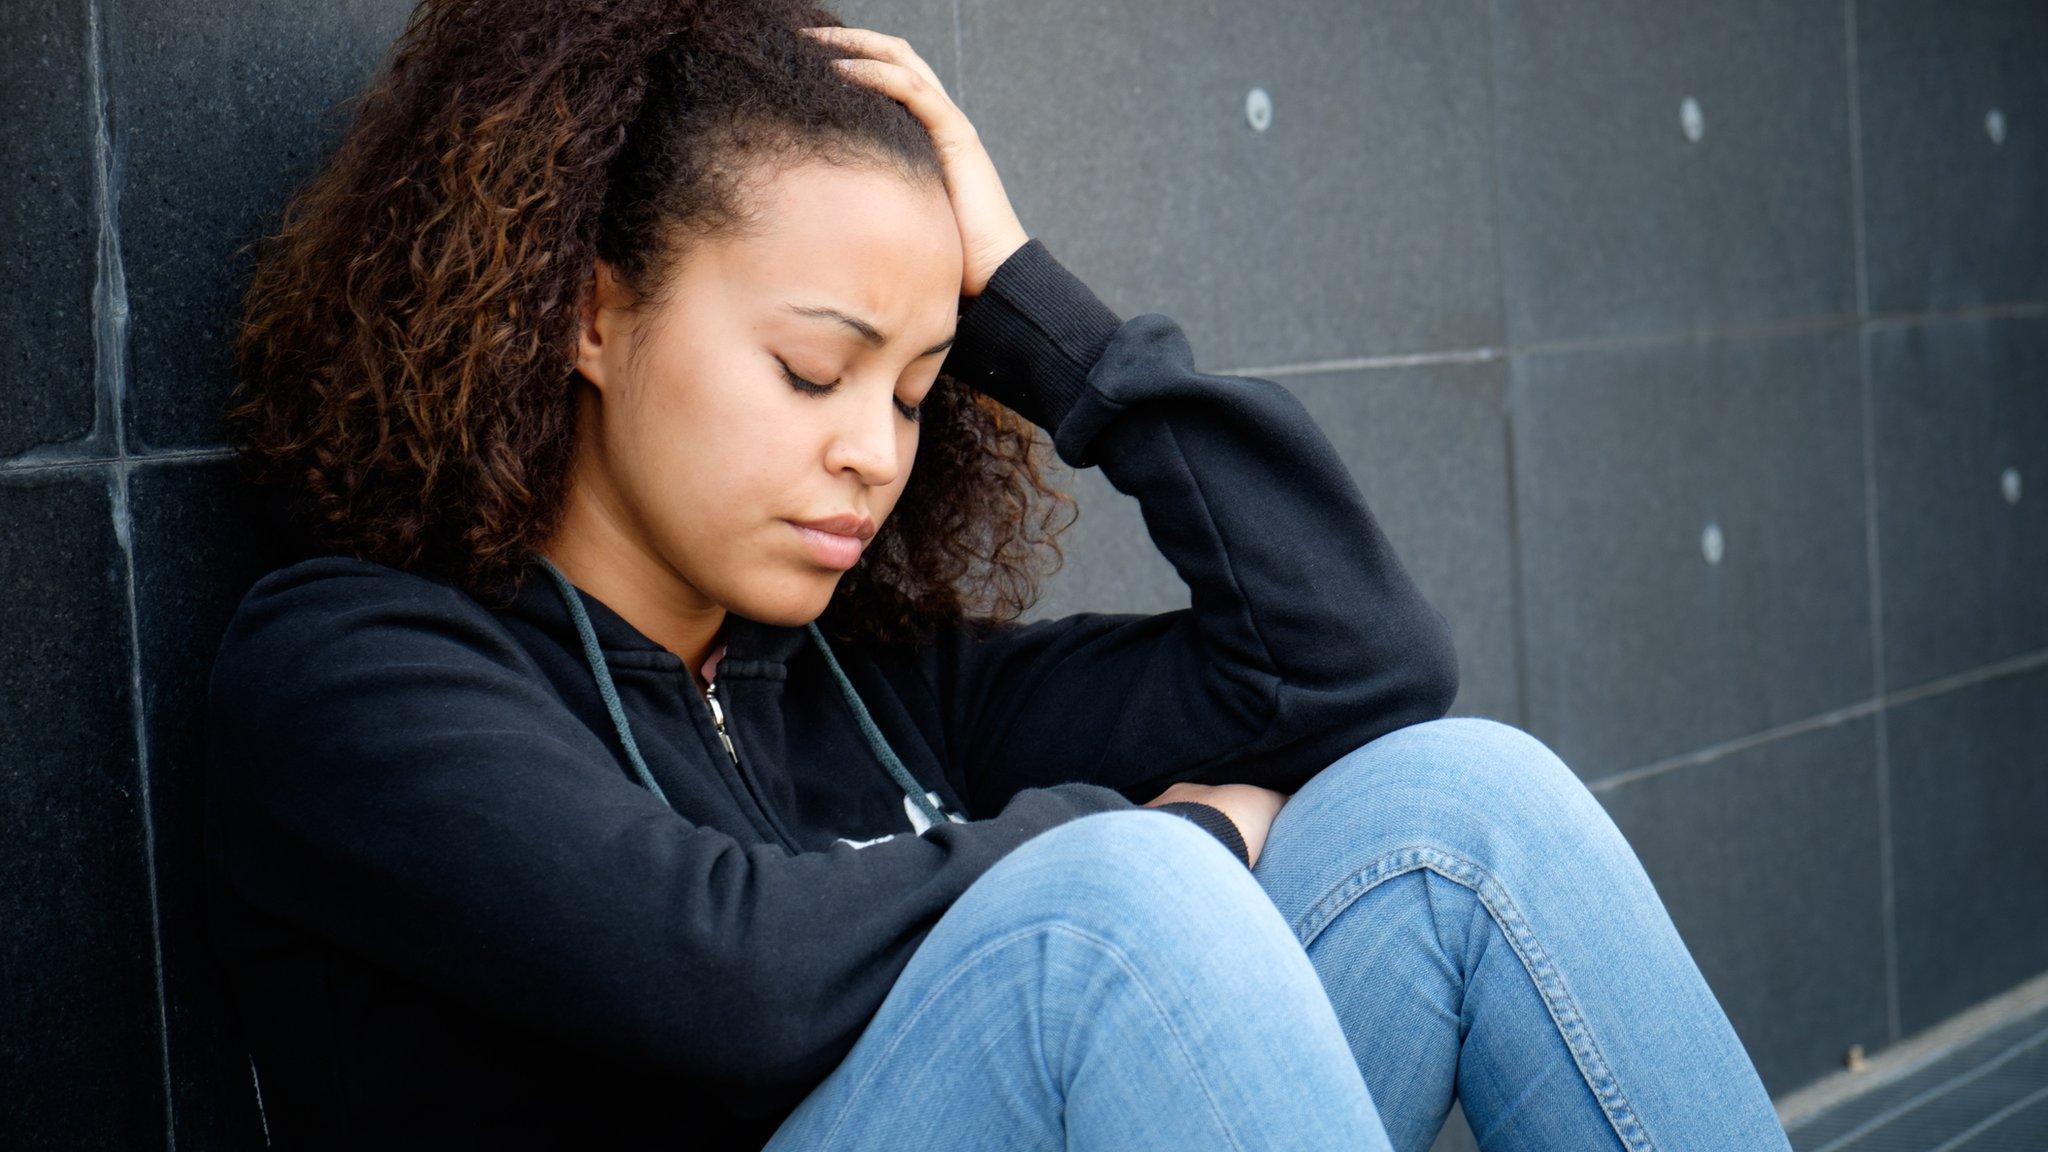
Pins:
x: 610, y: 693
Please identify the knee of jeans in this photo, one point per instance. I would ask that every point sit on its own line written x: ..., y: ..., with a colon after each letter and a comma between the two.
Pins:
x: 1460, y: 783
x: 1114, y: 873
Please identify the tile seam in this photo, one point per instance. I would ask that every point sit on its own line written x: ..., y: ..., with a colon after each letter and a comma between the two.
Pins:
x: 1859, y: 256
x: 1994, y: 670
x: 110, y: 319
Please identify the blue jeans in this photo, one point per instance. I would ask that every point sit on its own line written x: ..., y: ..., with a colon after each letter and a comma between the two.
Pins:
x: 1444, y: 910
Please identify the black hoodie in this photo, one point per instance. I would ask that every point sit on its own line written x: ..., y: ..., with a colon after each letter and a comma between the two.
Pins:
x: 451, y: 915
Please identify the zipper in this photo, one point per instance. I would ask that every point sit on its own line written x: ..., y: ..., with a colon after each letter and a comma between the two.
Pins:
x: 718, y: 719
x: 774, y: 826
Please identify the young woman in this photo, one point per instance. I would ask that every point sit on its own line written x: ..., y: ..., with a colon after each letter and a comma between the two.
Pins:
x: 647, y: 752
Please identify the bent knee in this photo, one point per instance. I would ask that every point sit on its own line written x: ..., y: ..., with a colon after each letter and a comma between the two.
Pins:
x: 1137, y: 845
x: 1452, y: 779
x: 1121, y: 871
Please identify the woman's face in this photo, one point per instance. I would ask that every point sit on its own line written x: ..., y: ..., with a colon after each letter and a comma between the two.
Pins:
x: 702, y: 451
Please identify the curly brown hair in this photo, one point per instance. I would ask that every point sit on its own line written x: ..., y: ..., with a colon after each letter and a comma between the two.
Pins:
x: 405, y: 387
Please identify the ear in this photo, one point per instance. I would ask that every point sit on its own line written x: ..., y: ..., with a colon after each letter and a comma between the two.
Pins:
x: 602, y: 323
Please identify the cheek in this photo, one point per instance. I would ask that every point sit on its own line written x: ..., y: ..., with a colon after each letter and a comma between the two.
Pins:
x: 718, y: 463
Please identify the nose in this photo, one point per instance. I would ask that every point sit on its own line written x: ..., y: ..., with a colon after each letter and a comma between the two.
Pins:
x: 866, y: 441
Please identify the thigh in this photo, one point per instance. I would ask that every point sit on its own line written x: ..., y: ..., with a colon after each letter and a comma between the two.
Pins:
x: 947, y: 1061
x: 1116, y: 982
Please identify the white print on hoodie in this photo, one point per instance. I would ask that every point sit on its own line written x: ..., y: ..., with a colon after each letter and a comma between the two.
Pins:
x: 918, y: 821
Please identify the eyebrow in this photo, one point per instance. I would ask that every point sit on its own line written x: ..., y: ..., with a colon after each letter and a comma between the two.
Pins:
x: 867, y: 332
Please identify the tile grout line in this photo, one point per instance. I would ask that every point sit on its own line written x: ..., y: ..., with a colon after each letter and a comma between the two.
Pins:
x: 1858, y: 241
x: 1518, y: 597
x: 110, y: 362
x: 1809, y: 325
x: 1992, y: 1121
x: 1726, y: 748
x: 51, y: 456
x: 1880, y: 727
x: 124, y: 535
x: 1935, y: 1092
x: 119, y: 459
x: 2019, y: 1008
x: 41, y: 458
x: 1997, y: 669
x: 2010, y: 665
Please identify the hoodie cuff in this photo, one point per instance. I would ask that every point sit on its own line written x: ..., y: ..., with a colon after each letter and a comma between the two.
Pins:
x: 1213, y: 821
x: 1031, y: 337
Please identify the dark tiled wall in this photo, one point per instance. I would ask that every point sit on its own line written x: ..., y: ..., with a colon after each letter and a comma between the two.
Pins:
x: 1695, y: 356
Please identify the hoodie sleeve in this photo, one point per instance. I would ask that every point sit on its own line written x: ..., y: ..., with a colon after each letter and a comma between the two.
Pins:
x: 389, y: 772
x: 1304, y: 636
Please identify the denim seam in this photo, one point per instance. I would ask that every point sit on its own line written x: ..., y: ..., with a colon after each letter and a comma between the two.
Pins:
x: 1549, y: 982
x: 960, y: 969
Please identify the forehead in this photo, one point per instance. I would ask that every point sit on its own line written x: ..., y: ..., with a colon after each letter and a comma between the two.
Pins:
x: 864, y: 240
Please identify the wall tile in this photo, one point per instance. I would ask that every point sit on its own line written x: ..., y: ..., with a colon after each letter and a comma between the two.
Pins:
x: 1964, y: 569
x: 1768, y: 861
x: 1638, y: 648
x: 78, y: 1022
x: 221, y: 110
x: 1357, y: 222
x: 1109, y: 561
x: 47, y: 229
x: 199, y: 545
x: 1969, y: 777
x: 1952, y: 217
x: 1612, y: 221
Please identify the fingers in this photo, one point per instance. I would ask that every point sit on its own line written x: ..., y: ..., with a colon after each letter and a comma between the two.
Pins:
x: 989, y: 228
x: 880, y: 46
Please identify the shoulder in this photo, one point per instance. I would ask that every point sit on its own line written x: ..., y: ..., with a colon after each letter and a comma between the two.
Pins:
x: 342, y: 580
x: 315, y: 617
x: 333, y: 591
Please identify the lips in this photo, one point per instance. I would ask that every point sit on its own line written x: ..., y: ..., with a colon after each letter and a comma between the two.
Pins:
x: 844, y: 524
x: 835, y: 542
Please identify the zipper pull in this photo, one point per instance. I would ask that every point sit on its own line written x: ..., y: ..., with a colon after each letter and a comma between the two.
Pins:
x: 718, y: 718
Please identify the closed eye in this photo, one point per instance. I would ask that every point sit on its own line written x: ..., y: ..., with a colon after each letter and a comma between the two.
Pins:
x: 810, y: 388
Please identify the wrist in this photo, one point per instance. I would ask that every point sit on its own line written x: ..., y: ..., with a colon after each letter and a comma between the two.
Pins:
x: 1030, y: 338
x: 1214, y: 821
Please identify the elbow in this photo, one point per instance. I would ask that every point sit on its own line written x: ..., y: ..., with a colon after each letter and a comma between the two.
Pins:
x: 1422, y: 690
x: 1438, y: 691
x: 1439, y: 673
x: 1419, y: 686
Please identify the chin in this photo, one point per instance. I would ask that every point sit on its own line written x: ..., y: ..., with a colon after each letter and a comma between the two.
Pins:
x: 791, y: 604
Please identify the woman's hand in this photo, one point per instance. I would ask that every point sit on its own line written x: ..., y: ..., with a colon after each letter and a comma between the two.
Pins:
x: 989, y: 228
x: 1249, y: 806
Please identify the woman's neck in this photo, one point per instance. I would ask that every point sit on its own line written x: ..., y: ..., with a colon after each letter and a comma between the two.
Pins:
x: 644, y: 591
